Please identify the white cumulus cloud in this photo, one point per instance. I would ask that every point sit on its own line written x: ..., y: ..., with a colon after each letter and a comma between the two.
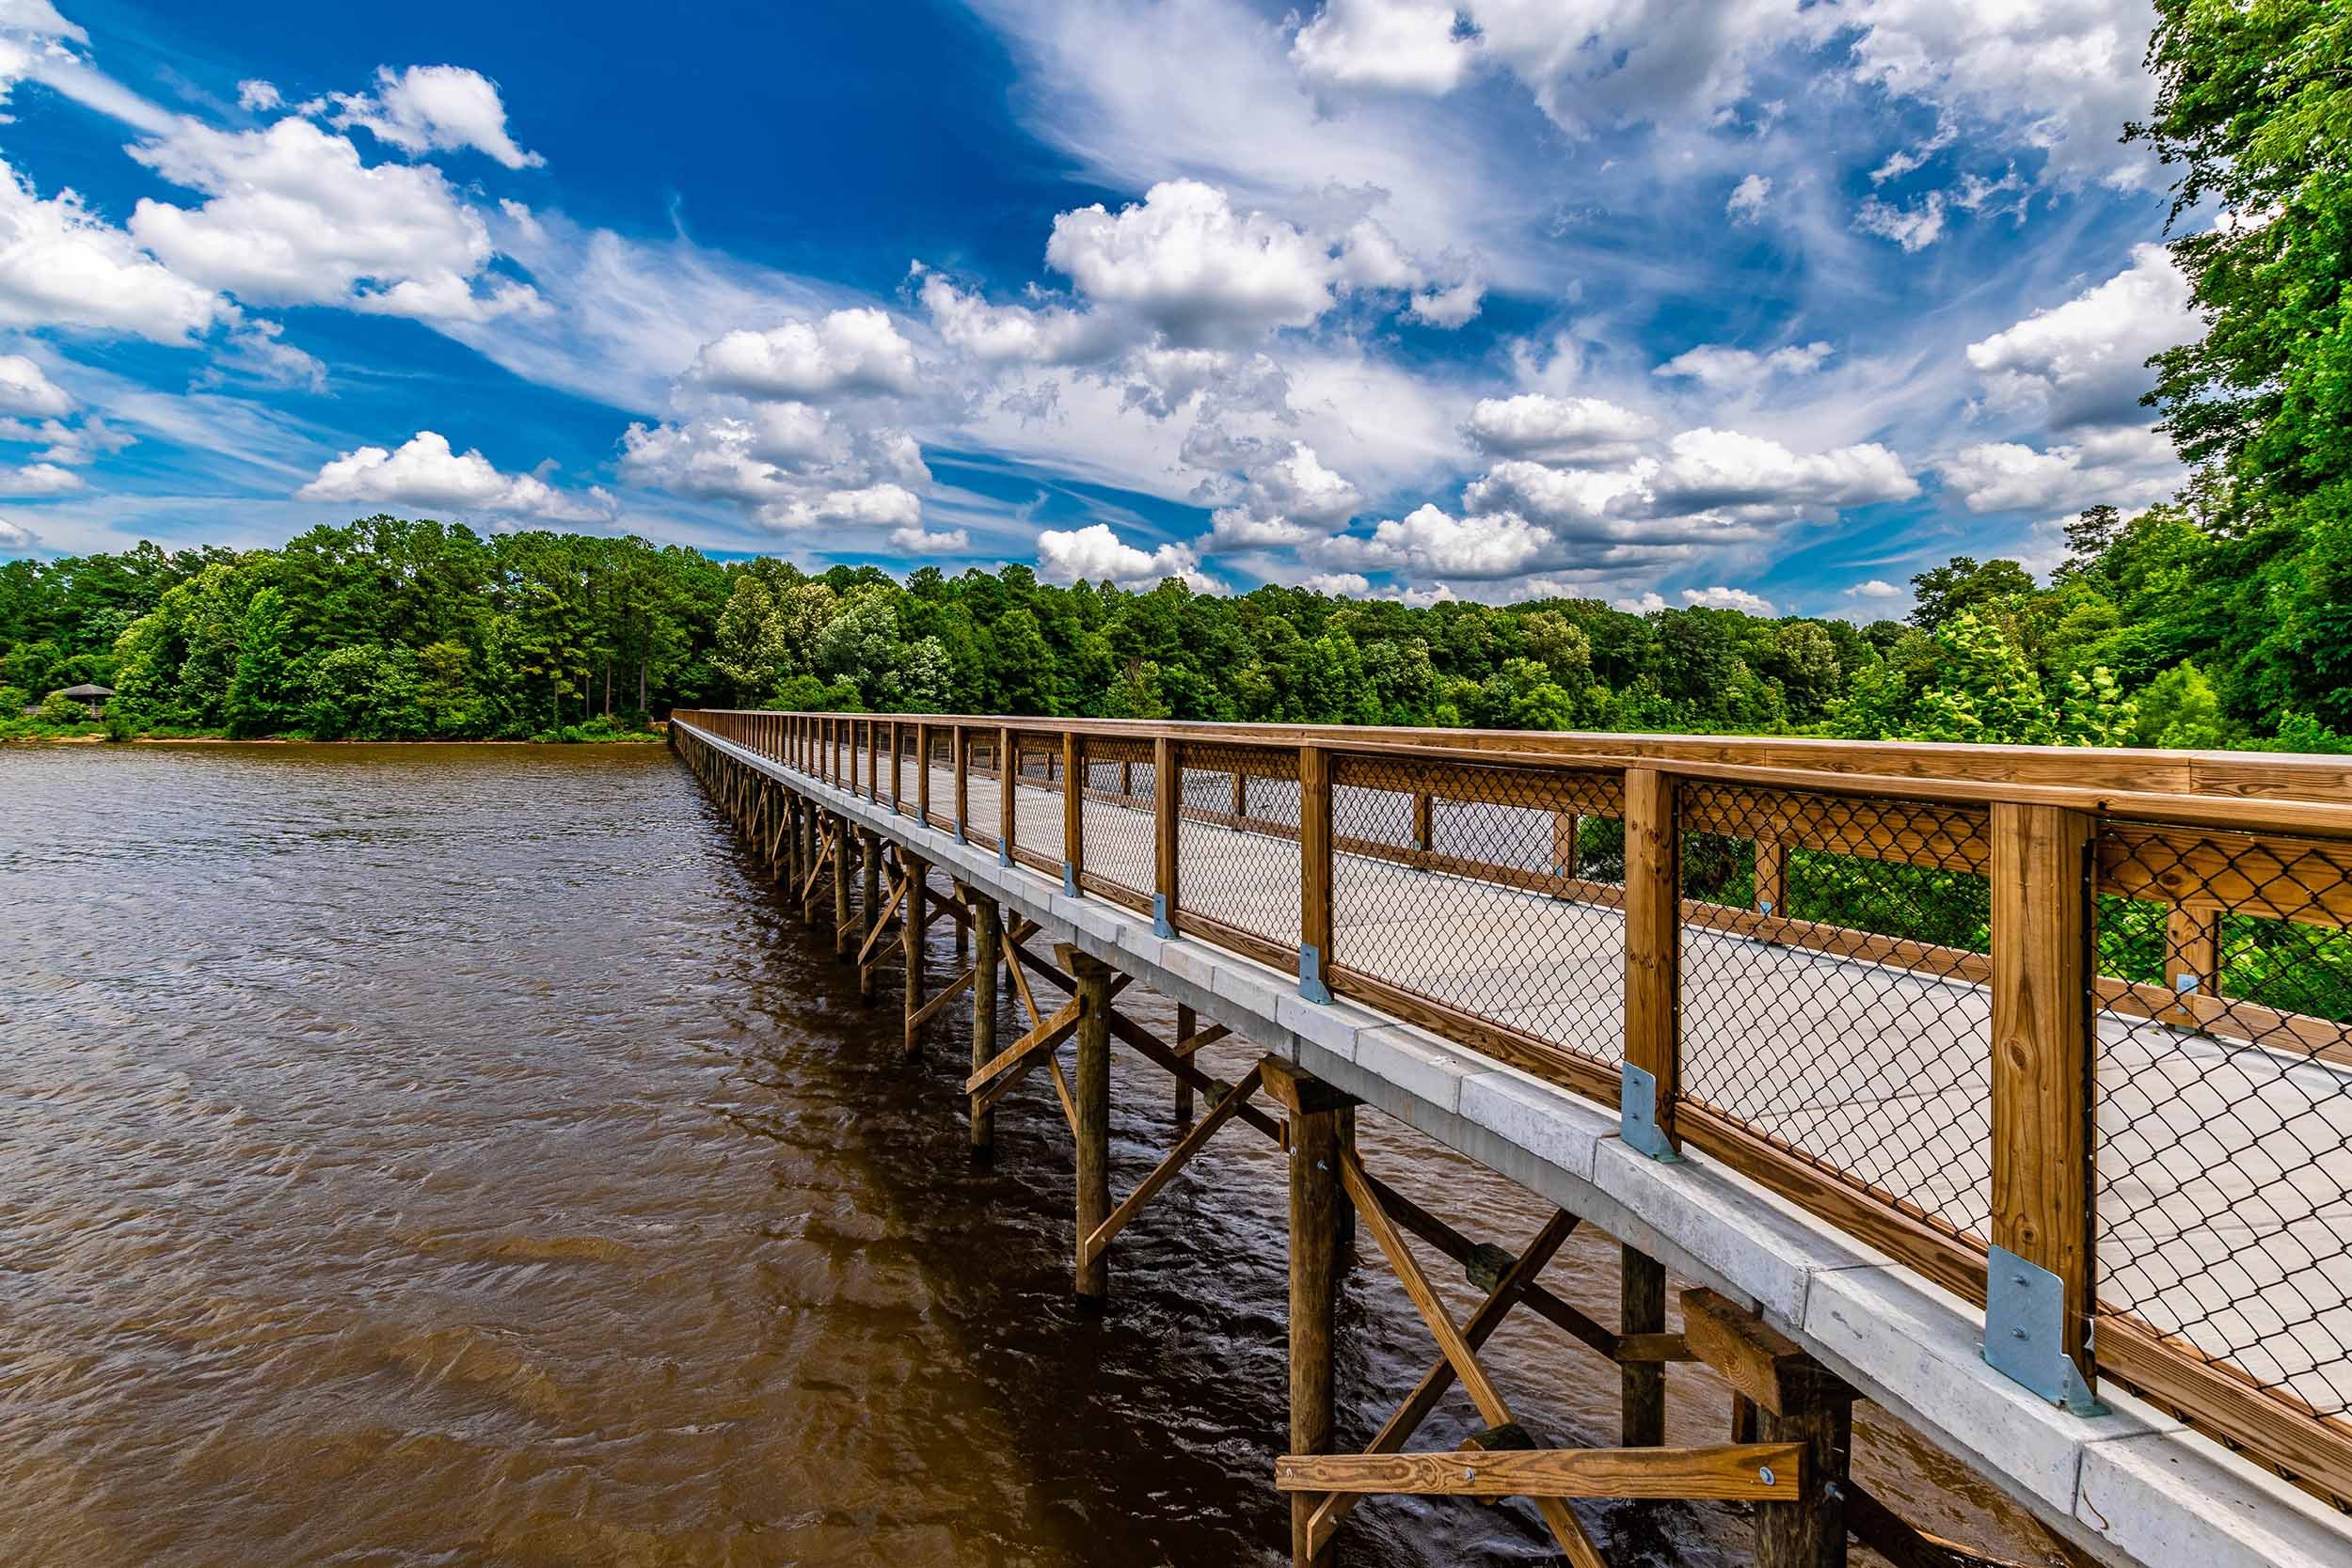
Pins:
x: 2084, y: 361
x: 1095, y: 552
x: 1746, y: 203
x: 1192, y: 266
x: 848, y: 352
x: 424, y: 473
x: 1558, y: 429
x: 427, y: 109
x: 62, y: 266
x: 25, y: 388
x: 1402, y: 46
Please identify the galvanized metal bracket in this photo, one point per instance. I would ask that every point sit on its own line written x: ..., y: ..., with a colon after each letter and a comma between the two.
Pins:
x: 959, y: 838
x: 1637, y: 1115
x: 1069, y: 881
x: 1004, y: 856
x: 1160, y: 924
x: 1311, y: 983
x: 2024, y: 1316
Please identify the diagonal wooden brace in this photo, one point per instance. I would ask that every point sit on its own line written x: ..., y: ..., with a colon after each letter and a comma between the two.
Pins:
x: 1162, y: 1174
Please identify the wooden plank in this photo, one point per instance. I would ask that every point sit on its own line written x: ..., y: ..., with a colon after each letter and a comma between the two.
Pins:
x: 1653, y: 938
x: 1406, y: 1419
x: 1189, y: 1040
x: 2042, y: 1066
x: 1732, y: 1472
x: 1571, y: 1535
x: 2273, y: 878
x: 1193, y: 1140
x: 2231, y: 1018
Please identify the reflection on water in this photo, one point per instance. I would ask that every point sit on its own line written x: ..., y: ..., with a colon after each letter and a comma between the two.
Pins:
x: 441, y: 1155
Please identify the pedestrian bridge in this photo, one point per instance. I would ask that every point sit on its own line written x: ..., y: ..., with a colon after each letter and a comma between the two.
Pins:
x: 2010, y: 1089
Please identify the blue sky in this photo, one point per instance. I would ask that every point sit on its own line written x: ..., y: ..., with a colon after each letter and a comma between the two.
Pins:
x: 1652, y: 301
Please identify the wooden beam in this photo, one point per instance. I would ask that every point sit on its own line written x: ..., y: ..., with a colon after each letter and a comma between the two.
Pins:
x: 1186, y: 1021
x: 1189, y: 1040
x: 1193, y: 1140
x: 1763, y: 1366
x: 956, y: 988
x: 869, y: 907
x: 1074, y: 796
x: 1561, y: 1314
x: 912, y: 928
x: 1045, y: 1034
x: 1732, y: 1472
x: 881, y: 926
x: 2042, y: 1058
x: 1882, y: 1530
x: 1508, y: 1290
x: 1314, y: 865
x: 1573, y: 1539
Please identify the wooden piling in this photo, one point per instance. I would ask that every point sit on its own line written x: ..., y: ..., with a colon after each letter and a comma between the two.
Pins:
x: 842, y: 930
x: 914, y: 925
x: 1642, y: 1309
x: 869, y: 907
x: 988, y: 955
x: 1090, y: 1090
x: 1186, y: 1021
x: 1796, y: 1399
x: 1314, y: 1110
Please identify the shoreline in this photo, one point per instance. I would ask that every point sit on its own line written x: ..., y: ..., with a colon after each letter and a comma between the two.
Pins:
x: 652, y: 740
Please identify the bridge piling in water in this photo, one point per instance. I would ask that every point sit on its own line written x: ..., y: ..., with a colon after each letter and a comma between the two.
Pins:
x: 1436, y: 927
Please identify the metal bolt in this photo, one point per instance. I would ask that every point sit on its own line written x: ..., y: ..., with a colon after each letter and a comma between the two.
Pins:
x: 2018, y: 1334
x: 1834, y: 1493
x: 1764, y: 1474
x: 1468, y: 1474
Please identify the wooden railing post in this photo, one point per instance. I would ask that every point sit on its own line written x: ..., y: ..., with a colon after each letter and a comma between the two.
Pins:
x: 1772, y: 877
x: 1425, y: 826
x: 873, y: 762
x: 1314, y: 872
x: 1653, y: 952
x: 922, y: 774
x: 2192, y: 956
x: 959, y: 760
x: 1008, y: 765
x: 2040, y: 1290
x: 1074, y: 798
x: 1166, y: 780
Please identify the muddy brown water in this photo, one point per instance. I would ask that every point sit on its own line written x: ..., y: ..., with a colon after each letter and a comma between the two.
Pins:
x: 451, y: 1155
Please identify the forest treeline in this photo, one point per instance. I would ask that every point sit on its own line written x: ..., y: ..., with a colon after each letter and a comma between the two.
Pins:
x: 2163, y: 630
x: 2220, y: 618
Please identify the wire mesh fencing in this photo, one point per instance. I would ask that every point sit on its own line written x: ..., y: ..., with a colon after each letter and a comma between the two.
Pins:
x: 1240, y: 869
x: 1463, y: 885
x: 1833, y: 997
x: 2223, y: 1209
x: 1037, y: 799
x: 1120, y: 853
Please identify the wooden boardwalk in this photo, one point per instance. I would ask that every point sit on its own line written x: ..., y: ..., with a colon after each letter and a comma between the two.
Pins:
x: 2160, y: 1164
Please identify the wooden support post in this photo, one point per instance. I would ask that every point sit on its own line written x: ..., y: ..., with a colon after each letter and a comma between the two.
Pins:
x: 1642, y: 1309
x: 869, y: 909
x: 1090, y: 1088
x: 1772, y: 877
x: 922, y: 774
x: 988, y: 954
x: 1127, y: 778
x: 1425, y: 828
x: 1314, y: 1110
x: 1074, y: 796
x: 1241, y: 792
x: 914, y: 925
x: 1008, y: 766
x: 1167, y: 824
x: 1563, y: 826
x: 1314, y: 872
x: 1345, y: 1225
x: 959, y: 760
x: 842, y: 930
x: 1653, y: 955
x: 1796, y: 1399
x: 2042, y: 1058
x: 873, y: 762
x: 1186, y: 1021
